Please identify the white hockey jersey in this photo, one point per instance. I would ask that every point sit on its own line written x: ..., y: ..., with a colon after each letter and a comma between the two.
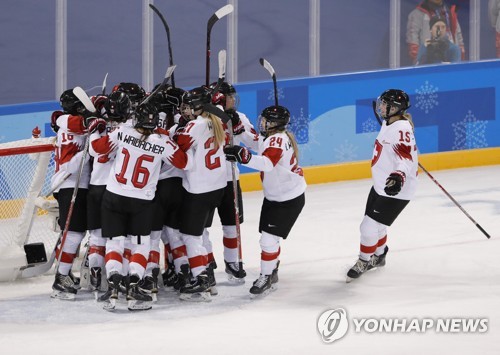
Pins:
x: 249, y: 138
x: 136, y: 167
x: 101, y: 166
x: 209, y: 170
x: 395, y: 149
x: 69, y: 146
x: 282, y: 178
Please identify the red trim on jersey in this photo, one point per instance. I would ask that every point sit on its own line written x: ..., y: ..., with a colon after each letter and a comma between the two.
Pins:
x: 403, y: 151
x: 231, y: 243
x: 67, y: 152
x: 274, y: 154
x: 179, y: 252
x: 179, y: 159
x: 154, y: 257
x: 139, y: 259
x: 196, y: 261
x: 160, y: 130
x: 113, y: 255
x: 265, y: 256
x: 95, y: 249
x: 368, y: 249
x: 102, y: 145
x: 184, y: 141
x: 382, y: 241
x: 75, y: 125
x: 127, y: 254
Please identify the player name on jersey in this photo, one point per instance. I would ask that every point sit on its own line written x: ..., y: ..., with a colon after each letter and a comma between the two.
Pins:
x: 144, y: 145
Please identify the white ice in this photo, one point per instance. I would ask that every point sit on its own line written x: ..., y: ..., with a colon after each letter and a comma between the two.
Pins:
x: 439, y: 265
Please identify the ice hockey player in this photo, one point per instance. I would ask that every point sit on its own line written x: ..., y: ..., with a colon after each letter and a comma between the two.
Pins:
x: 243, y: 132
x: 284, y: 189
x: 71, y: 126
x: 394, y: 175
x: 204, y: 187
x: 127, y: 207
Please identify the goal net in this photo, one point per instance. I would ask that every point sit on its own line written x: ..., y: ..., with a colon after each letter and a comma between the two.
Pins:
x: 28, y: 212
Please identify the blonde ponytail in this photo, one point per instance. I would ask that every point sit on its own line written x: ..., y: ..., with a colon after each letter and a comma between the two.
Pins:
x: 219, y: 133
x: 294, y: 144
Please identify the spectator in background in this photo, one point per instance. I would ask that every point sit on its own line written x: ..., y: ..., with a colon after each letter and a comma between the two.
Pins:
x: 493, y: 13
x: 418, y: 29
x: 438, y: 48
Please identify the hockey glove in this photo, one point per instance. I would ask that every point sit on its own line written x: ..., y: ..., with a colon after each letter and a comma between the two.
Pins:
x: 394, y: 183
x: 236, y: 153
x: 96, y: 124
x: 238, y: 127
x: 99, y: 102
x: 53, y: 120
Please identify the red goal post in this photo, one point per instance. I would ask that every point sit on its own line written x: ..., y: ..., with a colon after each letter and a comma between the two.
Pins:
x: 28, y: 212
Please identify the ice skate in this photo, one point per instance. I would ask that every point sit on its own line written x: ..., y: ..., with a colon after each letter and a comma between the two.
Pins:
x: 378, y: 260
x: 63, y: 287
x: 169, y: 276
x: 149, y: 286
x: 75, y: 279
x: 198, y: 290
x: 357, y: 270
x: 111, y: 296
x: 261, y: 287
x: 234, y: 274
x: 183, y: 277
x: 211, y: 278
x: 137, y: 300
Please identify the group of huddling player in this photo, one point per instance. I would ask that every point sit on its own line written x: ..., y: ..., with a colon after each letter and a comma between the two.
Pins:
x: 158, y: 165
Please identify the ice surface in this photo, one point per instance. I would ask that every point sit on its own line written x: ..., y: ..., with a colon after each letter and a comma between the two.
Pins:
x: 439, y: 265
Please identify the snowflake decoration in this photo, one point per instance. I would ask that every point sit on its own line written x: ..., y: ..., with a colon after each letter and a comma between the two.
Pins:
x: 300, y: 127
x: 469, y: 133
x: 427, y: 97
x: 281, y: 95
x: 345, y: 152
x: 313, y: 140
x: 370, y: 125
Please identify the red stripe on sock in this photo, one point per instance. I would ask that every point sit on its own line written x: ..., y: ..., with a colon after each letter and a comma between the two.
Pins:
x: 95, y: 249
x: 113, y: 255
x: 368, y: 249
x: 231, y: 243
x: 167, y: 248
x: 210, y: 257
x: 179, y: 252
x: 139, y: 259
x: 154, y: 257
x: 127, y: 254
x: 67, y: 258
x: 269, y: 256
x: 382, y: 241
x: 200, y: 260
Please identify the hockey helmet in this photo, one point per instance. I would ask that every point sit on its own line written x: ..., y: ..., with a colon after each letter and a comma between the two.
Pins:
x: 392, y: 102
x: 134, y: 91
x: 147, y: 116
x: 70, y: 103
x: 118, y: 106
x: 273, y: 118
x: 225, y: 90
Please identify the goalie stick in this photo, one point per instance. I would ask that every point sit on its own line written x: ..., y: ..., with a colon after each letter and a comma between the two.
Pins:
x: 222, y: 76
x: 379, y: 119
x: 223, y: 11
x: 167, y: 30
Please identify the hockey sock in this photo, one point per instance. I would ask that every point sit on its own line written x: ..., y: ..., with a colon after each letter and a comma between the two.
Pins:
x: 97, y: 248
x: 114, y: 256
x: 73, y: 240
x: 154, y: 254
x: 179, y: 252
x: 230, y: 242
x: 270, y: 245
x: 381, y: 245
x: 369, y: 238
x: 140, y: 253
x: 196, y: 253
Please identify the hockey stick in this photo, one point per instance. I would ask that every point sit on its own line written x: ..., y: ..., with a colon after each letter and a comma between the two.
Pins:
x: 223, y: 11
x: 222, y: 76
x: 168, y: 74
x: 167, y: 30
x: 104, y: 84
x: 271, y: 71
x: 379, y: 119
x: 85, y: 100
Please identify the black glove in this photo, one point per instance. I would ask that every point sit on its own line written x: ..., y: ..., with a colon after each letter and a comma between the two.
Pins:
x: 236, y: 153
x: 96, y: 124
x: 394, y: 183
x: 238, y: 127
